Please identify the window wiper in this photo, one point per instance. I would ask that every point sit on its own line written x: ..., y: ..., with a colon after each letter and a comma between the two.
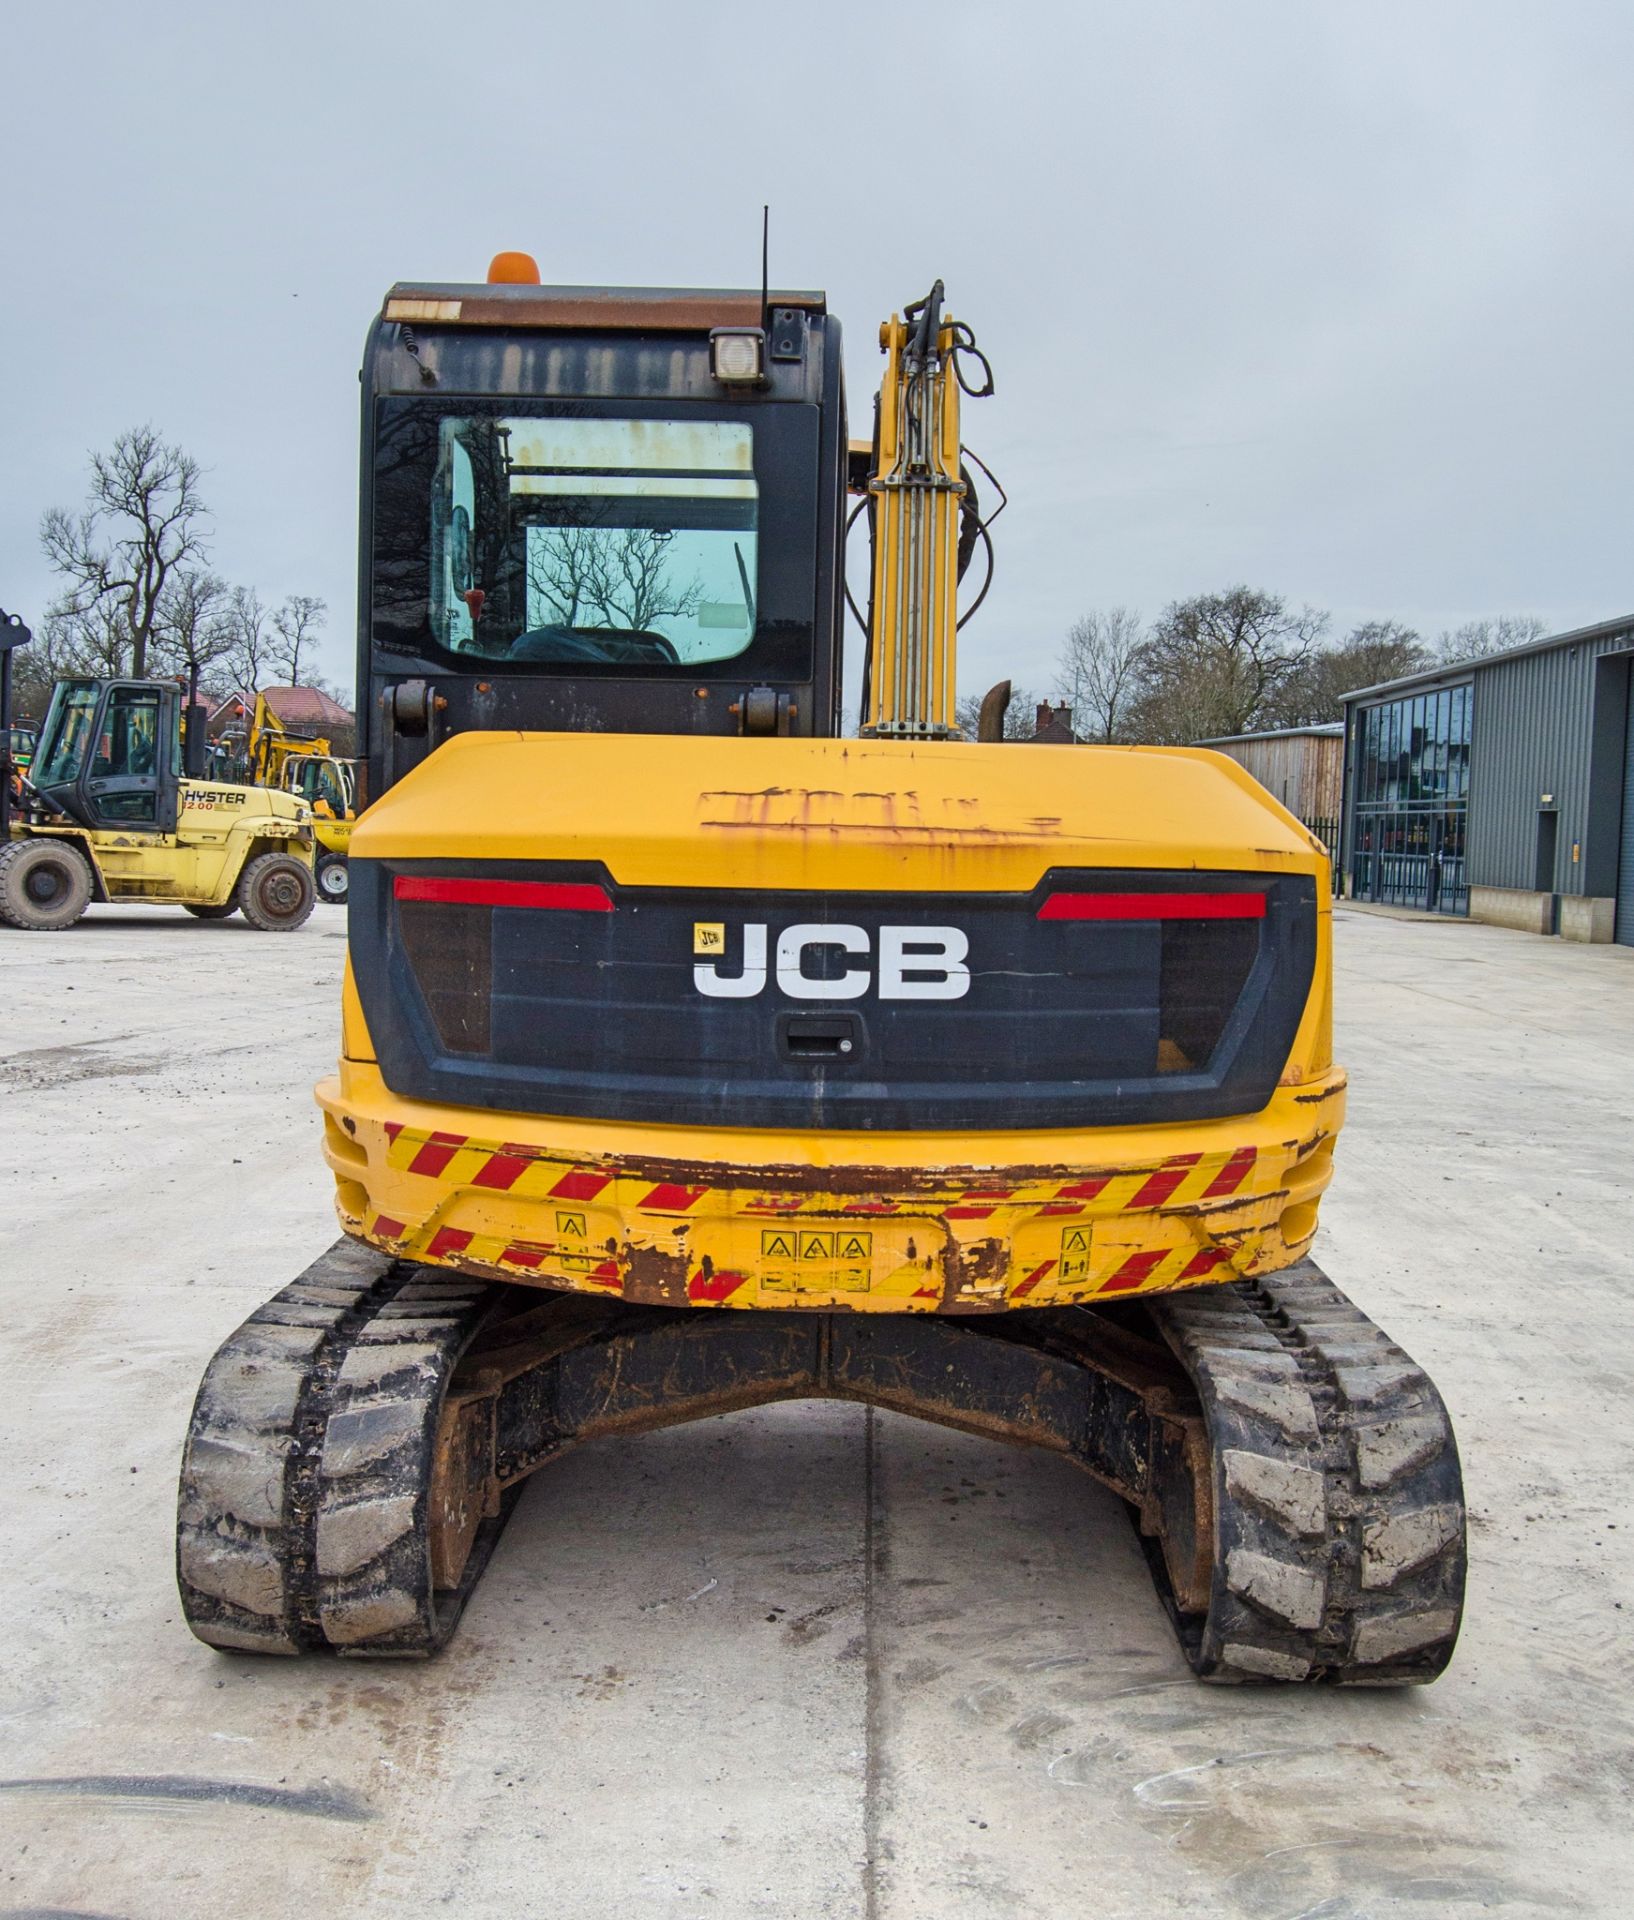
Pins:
x: 748, y: 591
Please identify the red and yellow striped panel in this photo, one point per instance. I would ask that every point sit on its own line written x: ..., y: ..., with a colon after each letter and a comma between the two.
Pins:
x: 919, y: 1242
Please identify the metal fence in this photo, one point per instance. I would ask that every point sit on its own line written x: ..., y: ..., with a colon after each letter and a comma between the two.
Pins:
x: 1327, y: 831
x: 1410, y: 859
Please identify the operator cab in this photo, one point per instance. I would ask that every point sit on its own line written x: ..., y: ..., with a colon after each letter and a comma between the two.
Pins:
x: 602, y: 510
x: 109, y: 754
x: 323, y: 782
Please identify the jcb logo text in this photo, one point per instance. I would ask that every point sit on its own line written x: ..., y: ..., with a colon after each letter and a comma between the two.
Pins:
x: 914, y: 963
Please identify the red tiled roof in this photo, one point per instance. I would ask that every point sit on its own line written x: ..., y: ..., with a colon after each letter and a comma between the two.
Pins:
x: 305, y: 707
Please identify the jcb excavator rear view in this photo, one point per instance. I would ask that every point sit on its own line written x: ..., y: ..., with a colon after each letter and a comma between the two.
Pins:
x: 696, y: 1056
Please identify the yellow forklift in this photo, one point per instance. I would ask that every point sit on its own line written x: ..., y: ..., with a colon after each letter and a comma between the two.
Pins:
x: 108, y: 812
x: 695, y: 1055
x: 307, y: 765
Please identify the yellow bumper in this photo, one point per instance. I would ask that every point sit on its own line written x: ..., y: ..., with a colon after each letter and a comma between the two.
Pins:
x: 895, y: 1223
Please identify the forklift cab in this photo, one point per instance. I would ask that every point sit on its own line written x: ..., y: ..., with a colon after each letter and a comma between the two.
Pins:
x: 109, y: 754
x: 324, y: 782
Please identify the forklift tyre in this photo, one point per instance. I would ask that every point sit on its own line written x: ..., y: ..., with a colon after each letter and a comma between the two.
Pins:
x: 275, y: 892
x: 332, y: 878
x: 201, y: 911
x: 45, y: 885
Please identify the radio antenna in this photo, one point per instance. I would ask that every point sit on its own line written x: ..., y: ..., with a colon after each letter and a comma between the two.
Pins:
x: 765, y: 256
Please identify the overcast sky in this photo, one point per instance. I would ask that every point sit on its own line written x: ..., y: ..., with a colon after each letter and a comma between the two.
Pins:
x: 1338, y: 301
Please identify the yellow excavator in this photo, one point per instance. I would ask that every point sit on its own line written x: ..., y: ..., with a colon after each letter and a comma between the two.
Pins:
x: 695, y: 1055
x: 282, y: 756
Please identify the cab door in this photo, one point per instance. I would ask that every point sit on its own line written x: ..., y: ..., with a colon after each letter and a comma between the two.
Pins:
x: 130, y: 782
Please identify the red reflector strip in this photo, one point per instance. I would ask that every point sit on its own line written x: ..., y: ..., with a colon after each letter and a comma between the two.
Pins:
x: 1136, y: 1270
x: 1082, y: 1189
x: 438, y: 1150
x: 1024, y: 1287
x: 578, y: 1185
x: 564, y: 895
x: 1157, y: 1189
x: 1153, y: 906
x: 501, y: 1171
x: 1205, y: 1262
x: 671, y: 1199
x: 714, y: 1285
x: 1231, y: 1176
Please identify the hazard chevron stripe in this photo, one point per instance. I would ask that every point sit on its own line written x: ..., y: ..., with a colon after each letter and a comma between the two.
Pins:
x: 496, y: 1167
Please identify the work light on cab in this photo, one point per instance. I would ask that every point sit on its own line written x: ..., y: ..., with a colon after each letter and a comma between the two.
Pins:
x: 737, y: 356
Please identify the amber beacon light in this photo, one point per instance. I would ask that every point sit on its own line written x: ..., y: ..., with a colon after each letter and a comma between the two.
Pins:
x: 513, y: 270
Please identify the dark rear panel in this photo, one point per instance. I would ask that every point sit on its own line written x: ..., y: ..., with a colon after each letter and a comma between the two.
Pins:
x: 1099, y: 998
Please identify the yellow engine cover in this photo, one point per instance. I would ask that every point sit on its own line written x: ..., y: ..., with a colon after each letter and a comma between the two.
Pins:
x: 900, y: 1220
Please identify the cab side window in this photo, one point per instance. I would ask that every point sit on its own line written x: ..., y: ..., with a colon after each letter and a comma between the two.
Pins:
x: 129, y: 750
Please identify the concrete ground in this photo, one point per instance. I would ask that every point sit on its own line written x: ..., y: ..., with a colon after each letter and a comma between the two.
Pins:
x: 804, y: 1661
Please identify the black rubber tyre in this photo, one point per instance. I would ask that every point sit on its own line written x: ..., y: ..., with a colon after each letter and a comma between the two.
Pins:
x: 333, y: 880
x: 276, y: 893
x: 45, y: 885
x: 223, y: 912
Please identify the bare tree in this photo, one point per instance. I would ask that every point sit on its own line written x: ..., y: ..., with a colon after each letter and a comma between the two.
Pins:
x: 143, y: 521
x: 191, y: 610
x: 1099, y: 671
x: 296, y: 625
x: 247, y: 638
x: 635, y: 587
x: 560, y: 567
x: 65, y: 646
x: 1215, y: 664
x: 621, y: 576
x: 1475, y: 639
x: 1020, y: 716
x: 1377, y: 650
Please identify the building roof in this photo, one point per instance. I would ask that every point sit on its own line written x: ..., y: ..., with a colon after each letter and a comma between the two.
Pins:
x: 1053, y: 725
x: 1272, y: 733
x: 305, y: 707
x: 236, y: 704
x: 1462, y: 669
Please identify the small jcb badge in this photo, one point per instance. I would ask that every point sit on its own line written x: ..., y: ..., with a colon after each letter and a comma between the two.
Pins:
x: 709, y: 936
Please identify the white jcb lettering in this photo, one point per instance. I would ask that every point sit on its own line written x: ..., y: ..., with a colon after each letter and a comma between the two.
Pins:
x: 798, y: 984
x: 915, y: 963
x: 743, y: 986
x: 933, y: 956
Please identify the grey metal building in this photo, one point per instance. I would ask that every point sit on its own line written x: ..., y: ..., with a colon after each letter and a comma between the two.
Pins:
x: 1502, y: 789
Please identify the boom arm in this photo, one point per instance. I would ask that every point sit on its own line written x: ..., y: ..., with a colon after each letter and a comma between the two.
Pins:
x: 918, y: 493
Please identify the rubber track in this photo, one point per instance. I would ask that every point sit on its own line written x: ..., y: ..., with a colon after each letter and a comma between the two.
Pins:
x: 301, y: 1523
x: 1339, y: 1511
